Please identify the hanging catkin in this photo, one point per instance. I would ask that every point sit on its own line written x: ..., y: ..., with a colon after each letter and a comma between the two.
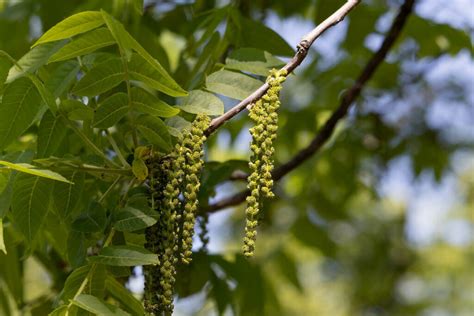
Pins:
x: 260, y: 183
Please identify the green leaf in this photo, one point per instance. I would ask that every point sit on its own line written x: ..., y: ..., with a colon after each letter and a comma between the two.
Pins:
x: 7, y: 194
x: 288, y: 268
x: 194, y: 275
x: 153, y: 129
x: 45, y: 94
x: 66, y: 196
x: 96, y: 284
x: 31, y: 196
x: 92, y: 220
x: 221, y: 292
x: 85, y: 44
x: 434, y: 39
x: 253, y: 61
x: 2, y: 241
x: 73, y: 282
x: 176, y: 124
x: 140, y: 70
x: 20, y: 105
x: 76, y: 110
x: 5, y: 64
x: 51, y: 133
x: 76, y: 249
x: 62, y: 77
x: 60, y: 311
x: 232, y: 84
x: 73, y: 25
x: 30, y: 169
x: 123, y: 295
x: 138, y: 6
x: 202, y: 102
x: 122, y: 37
x: 33, y: 60
x: 147, y: 103
x: 101, y: 78
x: 130, y: 219
x: 257, y: 35
x: 112, y: 110
x: 98, y: 307
x: 126, y: 256
x: 127, y: 43
x: 139, y: 169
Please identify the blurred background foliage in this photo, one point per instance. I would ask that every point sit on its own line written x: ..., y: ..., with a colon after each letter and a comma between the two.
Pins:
x: 378, y: 223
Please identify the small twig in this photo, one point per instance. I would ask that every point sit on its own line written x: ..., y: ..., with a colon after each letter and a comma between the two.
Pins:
x: 300, y: 55
x: 327, y: 130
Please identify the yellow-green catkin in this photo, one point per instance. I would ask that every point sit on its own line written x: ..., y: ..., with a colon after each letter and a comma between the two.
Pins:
x: 260, y: 182
x: 170, y: 213
x: 174, y: 185
x: 193, y: 143
x: 161, y: 237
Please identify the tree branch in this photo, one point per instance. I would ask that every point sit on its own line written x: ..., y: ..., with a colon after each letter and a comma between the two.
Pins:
x: 327, y: 130
x: 300, y: 55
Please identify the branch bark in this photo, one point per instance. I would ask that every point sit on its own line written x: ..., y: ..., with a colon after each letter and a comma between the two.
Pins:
x: 349, y: 97
x: 300, y: 55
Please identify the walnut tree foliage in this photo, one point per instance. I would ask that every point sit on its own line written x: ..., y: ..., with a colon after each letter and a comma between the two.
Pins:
x: 105, y: 164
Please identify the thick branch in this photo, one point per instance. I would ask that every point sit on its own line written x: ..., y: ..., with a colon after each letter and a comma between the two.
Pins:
x: 327, y: 130
x: 300, y: 55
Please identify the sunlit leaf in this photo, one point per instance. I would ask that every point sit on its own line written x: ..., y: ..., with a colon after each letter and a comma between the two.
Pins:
x: 125, y: 256
x: 140, y: 70
x: 158, y: 75
x: 232, y: 84
x: 73, y: 25
x: 85, y: 44
x: 33, y: 60
x: 202, y: 102
x: 101, y: 78
x: 32, y: 170
x: 147, y: 103
x: 253, y: 61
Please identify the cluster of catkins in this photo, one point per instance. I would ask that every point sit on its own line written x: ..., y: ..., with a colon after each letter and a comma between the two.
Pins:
x: 260, y: 183
x: 174, y: 183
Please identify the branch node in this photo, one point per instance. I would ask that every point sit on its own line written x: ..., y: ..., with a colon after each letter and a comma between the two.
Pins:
x: 303, y: 47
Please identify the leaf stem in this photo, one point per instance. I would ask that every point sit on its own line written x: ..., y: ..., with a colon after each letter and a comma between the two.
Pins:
x: 116, y: 149
x: 109, y: 189
x: 89, y: 143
